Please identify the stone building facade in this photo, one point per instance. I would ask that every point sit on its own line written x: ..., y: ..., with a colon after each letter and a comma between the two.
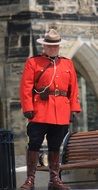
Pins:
x: 21, y: 23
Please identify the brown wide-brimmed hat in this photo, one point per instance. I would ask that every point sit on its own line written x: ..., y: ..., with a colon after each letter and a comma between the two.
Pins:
x: 51, y: 38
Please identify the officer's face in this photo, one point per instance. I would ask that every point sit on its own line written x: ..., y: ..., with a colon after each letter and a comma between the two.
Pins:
x: 51, y: 50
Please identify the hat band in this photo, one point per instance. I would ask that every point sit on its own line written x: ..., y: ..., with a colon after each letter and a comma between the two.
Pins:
x: 52, y: 41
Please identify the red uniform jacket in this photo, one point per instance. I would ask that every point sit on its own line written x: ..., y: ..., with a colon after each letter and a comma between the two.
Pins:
x: 56, y: 109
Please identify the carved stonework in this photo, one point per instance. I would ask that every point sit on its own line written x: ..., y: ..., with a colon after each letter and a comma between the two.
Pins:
x: 68, y: 6
x: 84, y: 6
x: 74, y: 29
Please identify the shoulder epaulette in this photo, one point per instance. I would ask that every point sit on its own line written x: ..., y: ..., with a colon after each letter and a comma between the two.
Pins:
x: 64, y: 57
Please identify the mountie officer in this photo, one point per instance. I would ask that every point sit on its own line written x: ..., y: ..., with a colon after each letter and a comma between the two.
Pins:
x: 49, y: 95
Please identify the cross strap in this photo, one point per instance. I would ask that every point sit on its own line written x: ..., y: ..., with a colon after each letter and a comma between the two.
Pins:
x: 40, y: 74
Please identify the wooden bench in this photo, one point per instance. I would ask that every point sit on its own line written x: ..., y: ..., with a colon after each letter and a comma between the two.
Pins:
x: 80, y: 150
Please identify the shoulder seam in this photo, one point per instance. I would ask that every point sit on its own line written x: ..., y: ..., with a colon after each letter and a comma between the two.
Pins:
x: 64, y: 57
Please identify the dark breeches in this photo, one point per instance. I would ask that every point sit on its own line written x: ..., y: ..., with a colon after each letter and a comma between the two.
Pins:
x: 54, y: 135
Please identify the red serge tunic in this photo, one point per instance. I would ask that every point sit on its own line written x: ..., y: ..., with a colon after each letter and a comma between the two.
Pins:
x: 57, y: 109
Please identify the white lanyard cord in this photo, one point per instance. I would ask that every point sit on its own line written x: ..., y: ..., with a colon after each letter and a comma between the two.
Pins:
x: 54, y: 72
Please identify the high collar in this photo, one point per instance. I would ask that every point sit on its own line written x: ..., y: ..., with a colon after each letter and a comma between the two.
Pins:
x: 51, y: 58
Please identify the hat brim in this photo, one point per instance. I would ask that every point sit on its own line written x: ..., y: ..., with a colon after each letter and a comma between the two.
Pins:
x: 41, y: 41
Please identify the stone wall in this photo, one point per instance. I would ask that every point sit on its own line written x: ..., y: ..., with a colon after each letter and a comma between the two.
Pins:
x: 22, y: 24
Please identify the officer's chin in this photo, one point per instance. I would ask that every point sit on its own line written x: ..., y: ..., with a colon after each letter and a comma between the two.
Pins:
x: 53, y: 55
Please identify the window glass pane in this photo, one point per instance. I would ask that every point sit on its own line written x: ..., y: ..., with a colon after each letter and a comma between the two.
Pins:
x: 25, y: 40
x: 7, y: 2
x: 71, y: 1
x: 13, y: 40
x: 42, y: 2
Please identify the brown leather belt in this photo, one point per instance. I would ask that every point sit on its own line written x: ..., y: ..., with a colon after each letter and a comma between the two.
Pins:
x: 55, y: 92
x: 58, y: 92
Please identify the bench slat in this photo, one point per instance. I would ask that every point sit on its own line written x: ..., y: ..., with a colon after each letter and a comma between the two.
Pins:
x: 83, y: 147
x: 86, y: 164
x: 80, y: 154
x: 87, y: 133
x: 94, y: 139
x: 84, y: 150
x: 77, y: 158
x: 83, y: 144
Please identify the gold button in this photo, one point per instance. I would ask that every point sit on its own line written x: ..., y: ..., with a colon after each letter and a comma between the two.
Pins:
x: 41, y: 70
x: 35, y: 99
x: 56, y: 85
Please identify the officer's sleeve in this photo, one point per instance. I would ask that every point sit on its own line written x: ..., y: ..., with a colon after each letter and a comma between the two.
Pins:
x: 74, y: 91
x: 26, y: 86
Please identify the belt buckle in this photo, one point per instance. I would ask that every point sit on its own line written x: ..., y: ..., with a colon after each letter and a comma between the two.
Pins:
x: 57, y: 92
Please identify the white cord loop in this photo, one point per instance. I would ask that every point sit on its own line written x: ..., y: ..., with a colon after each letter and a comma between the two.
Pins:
x: 54, y: 72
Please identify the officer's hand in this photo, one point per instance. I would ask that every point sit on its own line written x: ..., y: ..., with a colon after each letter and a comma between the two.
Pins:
x: 73, y: 117
x: 29, y: 114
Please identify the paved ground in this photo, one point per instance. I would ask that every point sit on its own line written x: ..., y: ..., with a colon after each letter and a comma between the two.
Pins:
x: 42, y: 178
